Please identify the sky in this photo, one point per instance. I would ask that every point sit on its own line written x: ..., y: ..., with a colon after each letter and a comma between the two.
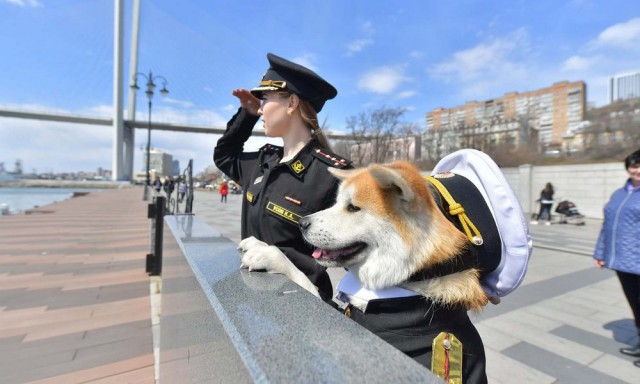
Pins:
x: 57, y: 56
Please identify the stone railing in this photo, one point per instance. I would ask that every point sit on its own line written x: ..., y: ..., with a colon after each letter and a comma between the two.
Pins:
x: 223, y: 324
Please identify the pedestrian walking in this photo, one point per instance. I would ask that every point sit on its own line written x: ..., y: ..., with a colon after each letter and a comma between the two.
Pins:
x: 168, y: 186
x: 618, y: 246
x: 546, y: 201
x: 157, y: 185
x: 224, y: 191
x: 283, y: 184
x: 182, y: 190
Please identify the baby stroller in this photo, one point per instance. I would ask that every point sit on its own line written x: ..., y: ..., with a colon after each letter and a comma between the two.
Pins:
x: 569, y: 213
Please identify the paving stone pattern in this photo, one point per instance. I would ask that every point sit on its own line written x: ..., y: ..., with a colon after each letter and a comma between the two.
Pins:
x: 74, y: 296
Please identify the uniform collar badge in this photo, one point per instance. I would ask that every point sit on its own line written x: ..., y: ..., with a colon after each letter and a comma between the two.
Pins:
x: 297, y: 166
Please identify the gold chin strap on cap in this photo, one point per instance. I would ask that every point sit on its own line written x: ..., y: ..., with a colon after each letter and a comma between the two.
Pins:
x: 274, y: 83
x: 455, y: 209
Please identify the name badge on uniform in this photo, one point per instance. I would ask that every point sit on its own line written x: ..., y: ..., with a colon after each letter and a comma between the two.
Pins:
x: 283, y: 212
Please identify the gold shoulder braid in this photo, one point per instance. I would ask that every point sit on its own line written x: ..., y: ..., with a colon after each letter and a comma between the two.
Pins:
x: 446, y: 358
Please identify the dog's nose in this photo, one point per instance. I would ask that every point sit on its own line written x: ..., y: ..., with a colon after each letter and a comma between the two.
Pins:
x: 304, y: 223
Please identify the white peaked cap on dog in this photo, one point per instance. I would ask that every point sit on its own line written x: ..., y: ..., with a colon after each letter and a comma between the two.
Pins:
x: 507, y: 212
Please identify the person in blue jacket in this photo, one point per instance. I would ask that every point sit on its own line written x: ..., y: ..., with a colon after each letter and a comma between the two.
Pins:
x: 618, y: 247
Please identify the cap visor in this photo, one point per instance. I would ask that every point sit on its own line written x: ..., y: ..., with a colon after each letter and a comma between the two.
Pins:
x: 257, y: 91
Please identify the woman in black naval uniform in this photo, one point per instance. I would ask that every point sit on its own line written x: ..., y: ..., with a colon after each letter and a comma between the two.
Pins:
x: 283, y: 184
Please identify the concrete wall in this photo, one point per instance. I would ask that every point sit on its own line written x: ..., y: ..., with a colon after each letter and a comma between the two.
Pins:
x: 221, y: 324
x: 589, y: 186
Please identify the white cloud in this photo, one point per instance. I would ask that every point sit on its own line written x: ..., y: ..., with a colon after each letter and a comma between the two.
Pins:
x: 25, y: 3
x: 357, y: 46
x: 181, y: 103
x: 366, y: 39
x: 487, y: 66
x: 229, y: 108
x: 621, y: 35
x: 406, y: 94
x: 67, y: 147
x: 100, y: 110
x: 485, y: 58
x: 58, y: 147
x: 306, y: 60
x: 416, y: 54
x: 382, y: 80
x: 615, y: 50
x: 579, y: 63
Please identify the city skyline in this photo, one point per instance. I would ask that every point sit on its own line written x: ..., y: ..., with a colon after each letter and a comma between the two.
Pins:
x: 418, y: 56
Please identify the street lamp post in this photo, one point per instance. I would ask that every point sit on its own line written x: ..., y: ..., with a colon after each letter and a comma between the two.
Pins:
x: 149, y: 92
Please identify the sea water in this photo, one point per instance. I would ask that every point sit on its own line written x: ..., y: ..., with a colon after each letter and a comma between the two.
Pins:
x: 20, y: 199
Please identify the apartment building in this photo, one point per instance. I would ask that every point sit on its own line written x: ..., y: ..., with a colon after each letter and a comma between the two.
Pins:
x: 541, y: 117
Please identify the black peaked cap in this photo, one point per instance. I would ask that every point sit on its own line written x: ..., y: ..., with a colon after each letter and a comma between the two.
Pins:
x: 285, y: 75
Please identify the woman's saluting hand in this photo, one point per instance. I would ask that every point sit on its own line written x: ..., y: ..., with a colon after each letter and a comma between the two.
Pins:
x: 249, y: 102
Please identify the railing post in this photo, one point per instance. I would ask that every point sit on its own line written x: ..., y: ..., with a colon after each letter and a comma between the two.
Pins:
x: 156, y: 214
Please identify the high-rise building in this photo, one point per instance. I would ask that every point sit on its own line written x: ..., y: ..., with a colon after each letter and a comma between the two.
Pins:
x: 160, y: 163
x: 515, y: 119
x: 625, y: 86
x: 176, y: 167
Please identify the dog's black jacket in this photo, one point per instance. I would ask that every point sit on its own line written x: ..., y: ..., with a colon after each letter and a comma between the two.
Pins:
x: 277, y: 194
x: 410, y: 324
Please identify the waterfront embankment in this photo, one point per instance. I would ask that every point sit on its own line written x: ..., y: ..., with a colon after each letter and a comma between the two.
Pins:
x: 44, y: 183
x: 74, y: 296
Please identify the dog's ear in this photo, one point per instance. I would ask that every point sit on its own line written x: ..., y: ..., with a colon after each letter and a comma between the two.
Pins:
x: 390, y: 179
x: 341, y: 173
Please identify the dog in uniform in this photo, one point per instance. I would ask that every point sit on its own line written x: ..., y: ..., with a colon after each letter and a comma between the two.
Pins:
x: 417, y: 254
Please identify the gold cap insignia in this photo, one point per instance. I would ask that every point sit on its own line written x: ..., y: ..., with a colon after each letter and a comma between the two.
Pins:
x: 274, y: 83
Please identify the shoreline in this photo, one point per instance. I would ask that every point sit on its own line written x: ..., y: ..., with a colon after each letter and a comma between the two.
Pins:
x: 66, y: 184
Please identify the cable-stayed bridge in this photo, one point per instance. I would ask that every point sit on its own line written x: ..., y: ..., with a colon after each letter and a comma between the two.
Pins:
x: 131, y: 124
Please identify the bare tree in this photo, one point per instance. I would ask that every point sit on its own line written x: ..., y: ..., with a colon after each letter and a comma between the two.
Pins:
x: 407, y: 134
x: 373, y: 134
x: 208, y: 174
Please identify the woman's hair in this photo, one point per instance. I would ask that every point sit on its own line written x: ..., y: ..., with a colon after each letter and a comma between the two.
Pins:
x: 310, y: 119
x: 548, y: 188
x: 632, y: 159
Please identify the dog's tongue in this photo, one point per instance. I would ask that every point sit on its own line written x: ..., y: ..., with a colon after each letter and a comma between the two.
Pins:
x: 317, y: 253
x: 332, y: 253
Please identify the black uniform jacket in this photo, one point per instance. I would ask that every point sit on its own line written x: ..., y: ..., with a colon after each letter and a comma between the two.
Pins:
x: 277, y: 195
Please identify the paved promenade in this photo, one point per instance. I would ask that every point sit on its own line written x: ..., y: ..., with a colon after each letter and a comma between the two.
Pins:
x: 565, y: 324
x: 74, y: 297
